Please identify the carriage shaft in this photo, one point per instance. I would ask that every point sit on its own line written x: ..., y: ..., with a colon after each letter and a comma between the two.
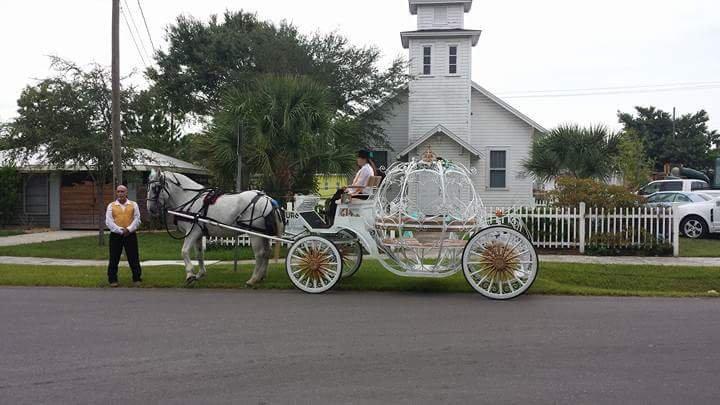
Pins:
x: 229, y: 227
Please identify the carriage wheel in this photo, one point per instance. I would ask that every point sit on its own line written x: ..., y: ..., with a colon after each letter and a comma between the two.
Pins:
x: 313, y: 264
x: 500, y: 262
x: 351, y: 252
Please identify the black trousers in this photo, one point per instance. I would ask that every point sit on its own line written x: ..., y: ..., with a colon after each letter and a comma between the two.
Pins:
x: 130, y: 244
x: 331, y: 205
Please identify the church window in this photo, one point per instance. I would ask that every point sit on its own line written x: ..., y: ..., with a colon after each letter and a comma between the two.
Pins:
x: 427, y: 58
x: 498, y: 169
x: 452, y: 67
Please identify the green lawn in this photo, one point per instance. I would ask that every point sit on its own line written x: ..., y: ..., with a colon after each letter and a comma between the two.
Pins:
x: 153, y: 246
x: 555, y: 278
x: 10, y: 232
x: 709, y: 247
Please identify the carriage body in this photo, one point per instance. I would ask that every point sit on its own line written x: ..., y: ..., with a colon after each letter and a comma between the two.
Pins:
x: 424, y: 220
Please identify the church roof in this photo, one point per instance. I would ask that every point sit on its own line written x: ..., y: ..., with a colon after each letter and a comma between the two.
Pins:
x: 508, y: 107
x: 413, y: 4
x: 439, y: 33
x: 441, y: 129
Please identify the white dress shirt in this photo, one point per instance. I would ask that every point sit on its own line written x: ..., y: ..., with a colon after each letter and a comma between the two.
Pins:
x: 110, y: 221
x: 361, y: 179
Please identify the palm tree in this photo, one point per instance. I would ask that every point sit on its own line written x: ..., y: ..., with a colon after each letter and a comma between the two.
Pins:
x: 289, y: 132
x: 571, y: 150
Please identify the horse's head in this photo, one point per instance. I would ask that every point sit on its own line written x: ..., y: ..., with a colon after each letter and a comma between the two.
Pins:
x: 156, y: 192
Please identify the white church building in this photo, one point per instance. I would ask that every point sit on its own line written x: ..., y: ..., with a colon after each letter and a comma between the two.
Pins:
x: 460, y: 120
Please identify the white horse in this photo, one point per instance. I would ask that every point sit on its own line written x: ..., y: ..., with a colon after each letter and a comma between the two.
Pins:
x: 249, y: 209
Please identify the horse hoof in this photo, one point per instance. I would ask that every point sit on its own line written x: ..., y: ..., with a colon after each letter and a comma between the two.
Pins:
x: 190, y: 280
x: 199, y: 276
x: 250, y: 285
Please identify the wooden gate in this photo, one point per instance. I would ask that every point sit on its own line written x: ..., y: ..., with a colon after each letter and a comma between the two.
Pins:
x: 78, y: 205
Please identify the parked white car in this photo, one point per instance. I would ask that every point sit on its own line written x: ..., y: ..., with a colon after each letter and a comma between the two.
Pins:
x: 673, y: 185
x: 668, y: 198
x: 699, y: 219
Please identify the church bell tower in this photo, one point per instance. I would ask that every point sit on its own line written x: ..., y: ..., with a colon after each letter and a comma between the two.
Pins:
x: 440, y: 53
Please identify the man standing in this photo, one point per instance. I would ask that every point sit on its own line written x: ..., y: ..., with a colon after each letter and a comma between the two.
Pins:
x: 123, y: 219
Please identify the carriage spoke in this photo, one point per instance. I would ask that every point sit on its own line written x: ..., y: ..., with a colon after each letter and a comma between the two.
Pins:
x: 313, y: 264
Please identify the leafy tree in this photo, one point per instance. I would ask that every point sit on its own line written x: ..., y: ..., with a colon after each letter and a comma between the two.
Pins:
x: 10, y: 185
x: 150, y: 125
x: 204, y: 60
x: 570, y: 150
x: 289, y: 132
x: 67, y: 120
x: 690, y: 143
x: 631, y: 162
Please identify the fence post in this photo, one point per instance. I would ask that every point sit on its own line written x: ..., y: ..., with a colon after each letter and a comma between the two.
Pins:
x: 676, y: 230
x: 581, y: 224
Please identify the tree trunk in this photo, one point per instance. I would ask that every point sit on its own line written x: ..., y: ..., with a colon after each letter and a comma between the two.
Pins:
x: 99, y: 193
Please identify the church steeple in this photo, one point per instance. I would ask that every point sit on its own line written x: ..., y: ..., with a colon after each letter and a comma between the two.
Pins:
x: 438, y: 14
x: 440, y: 54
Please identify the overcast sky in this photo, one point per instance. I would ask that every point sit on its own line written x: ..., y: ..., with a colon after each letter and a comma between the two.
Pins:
x: 642, y: 52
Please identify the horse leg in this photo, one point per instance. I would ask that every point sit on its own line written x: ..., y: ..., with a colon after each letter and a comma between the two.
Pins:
x: 188, y: 243
x: 261, y: 251
x: 202, y: 271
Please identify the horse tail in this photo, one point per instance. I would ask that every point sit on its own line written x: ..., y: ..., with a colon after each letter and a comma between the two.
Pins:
x: 278, y: 217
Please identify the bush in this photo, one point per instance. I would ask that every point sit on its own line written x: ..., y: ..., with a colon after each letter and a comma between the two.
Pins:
x: 617, y: 244
x: 571, y: 191
x: 10, y: 186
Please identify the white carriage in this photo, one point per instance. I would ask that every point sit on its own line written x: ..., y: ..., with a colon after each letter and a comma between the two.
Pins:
x: 424, y: 220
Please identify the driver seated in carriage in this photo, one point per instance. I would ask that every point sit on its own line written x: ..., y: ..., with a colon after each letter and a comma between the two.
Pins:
x: 365, y: 178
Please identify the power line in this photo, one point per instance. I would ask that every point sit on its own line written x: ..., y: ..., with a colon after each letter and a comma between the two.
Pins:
x: 137, y: 48
x: 629, y: 91
x: 129, y: 13
x: 142, y: 13
x: 610, y: 88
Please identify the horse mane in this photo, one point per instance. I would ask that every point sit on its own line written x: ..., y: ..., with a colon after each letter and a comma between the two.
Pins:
x: 185, y: 181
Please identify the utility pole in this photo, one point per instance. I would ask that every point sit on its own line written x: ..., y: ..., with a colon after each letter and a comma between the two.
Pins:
x: 673, y: 121
x: 116, y: 151
x: 238, y: 176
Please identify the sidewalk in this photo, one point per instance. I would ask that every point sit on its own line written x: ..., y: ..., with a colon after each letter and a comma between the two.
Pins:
x: 634, y: 260
x: 628, y: 260
x: 38, y: 237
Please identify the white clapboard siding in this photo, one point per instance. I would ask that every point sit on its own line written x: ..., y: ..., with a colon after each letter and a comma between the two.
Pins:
x: 396, y: 125
x: 455, y: 17
x: 495, y: 128
x: 439, y: 98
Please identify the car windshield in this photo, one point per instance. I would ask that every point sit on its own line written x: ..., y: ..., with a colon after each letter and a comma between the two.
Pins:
x: 661, y: 197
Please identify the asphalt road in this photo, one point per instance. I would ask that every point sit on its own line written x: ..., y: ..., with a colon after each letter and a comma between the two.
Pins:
x: 211, y: 346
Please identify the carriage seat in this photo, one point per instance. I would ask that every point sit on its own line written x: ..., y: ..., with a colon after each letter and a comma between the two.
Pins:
x: 372, y: 185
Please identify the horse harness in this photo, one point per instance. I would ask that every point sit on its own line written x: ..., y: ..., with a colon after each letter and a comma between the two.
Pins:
x: 210, y: 195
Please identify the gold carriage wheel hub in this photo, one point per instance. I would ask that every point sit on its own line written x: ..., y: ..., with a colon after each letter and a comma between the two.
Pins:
x: 499, y: 260
x: 499, y: 264
x: 314, y: 263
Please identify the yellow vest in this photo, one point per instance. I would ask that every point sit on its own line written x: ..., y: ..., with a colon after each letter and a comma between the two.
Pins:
x: 123, y: 218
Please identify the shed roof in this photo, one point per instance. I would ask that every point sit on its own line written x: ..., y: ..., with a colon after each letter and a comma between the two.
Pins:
x: 144, y: 160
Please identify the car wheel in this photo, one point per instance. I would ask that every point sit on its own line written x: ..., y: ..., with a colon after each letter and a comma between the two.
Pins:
x: 693, y: 227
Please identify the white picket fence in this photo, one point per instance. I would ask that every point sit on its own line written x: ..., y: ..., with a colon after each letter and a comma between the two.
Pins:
x: 580, y: 227
x: 575, y: 228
